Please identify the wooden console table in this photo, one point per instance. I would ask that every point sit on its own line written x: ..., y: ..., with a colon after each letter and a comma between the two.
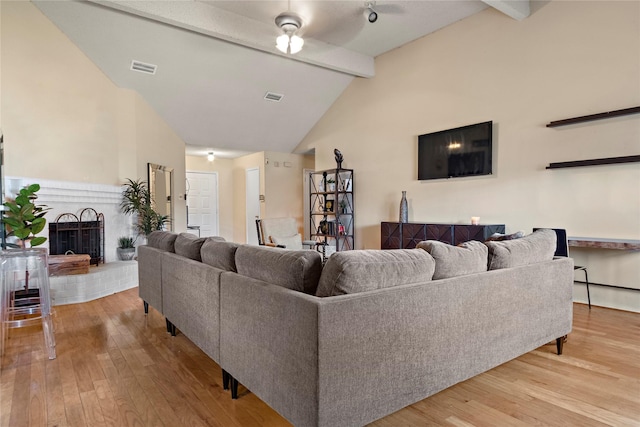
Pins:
x: 399, y: 235
x: 604, y: 243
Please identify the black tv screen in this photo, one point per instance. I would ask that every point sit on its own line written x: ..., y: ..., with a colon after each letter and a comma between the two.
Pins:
x: 463, y: 151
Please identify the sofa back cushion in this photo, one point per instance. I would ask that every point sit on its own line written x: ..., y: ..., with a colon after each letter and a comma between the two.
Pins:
x: 219, y: 254
x: 536, y: 247
x: 350, y: 272
x: 188, y: 245
x: 451, y: 261
x: 163, y: 240
x: 297, y: 270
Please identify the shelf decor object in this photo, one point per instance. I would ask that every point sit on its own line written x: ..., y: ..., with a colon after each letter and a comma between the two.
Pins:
x: 592, y: 117
x: 404, y: 208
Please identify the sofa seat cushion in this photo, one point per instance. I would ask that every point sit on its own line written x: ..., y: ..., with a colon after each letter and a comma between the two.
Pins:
x: 536, y: 247
x: 297, y: 270
x: 163, y: 240
x: 451, y: 261
x: 219, y: 254
x: 356, y: 271
x: 188, y: 245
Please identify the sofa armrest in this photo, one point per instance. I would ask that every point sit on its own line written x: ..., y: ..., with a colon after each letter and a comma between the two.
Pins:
x: 269, y: 343
x: 150, y: 276
x: 191, y: 300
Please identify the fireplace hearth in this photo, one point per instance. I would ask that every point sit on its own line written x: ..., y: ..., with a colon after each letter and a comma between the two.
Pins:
x: 78, y: 235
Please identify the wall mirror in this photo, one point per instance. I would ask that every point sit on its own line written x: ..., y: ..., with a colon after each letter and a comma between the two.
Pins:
x: 160, y: 185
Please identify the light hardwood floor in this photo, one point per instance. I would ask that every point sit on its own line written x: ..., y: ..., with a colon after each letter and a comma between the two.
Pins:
x: 118, y: 367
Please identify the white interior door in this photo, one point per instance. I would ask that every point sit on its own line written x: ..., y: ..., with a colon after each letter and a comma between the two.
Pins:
x: 202, y: 201
x: 253, y: 204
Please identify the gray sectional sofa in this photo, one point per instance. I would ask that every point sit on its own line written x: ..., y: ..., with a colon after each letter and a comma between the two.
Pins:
x: 370, y: 332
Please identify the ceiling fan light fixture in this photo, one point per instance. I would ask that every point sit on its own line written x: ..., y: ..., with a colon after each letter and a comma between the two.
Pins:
x: 295, y: 44
x: 282, y: 43
x: 289, y: 42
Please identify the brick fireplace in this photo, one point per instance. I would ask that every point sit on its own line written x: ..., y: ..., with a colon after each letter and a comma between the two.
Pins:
x: 65, y: 197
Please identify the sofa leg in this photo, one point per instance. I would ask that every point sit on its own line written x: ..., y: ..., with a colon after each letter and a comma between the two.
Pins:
x: 225, y: 379
x: 146, y: 307
x: 234, y: 388
x: 559, y: 343
x: 168, y: 325
x: 171, y: 328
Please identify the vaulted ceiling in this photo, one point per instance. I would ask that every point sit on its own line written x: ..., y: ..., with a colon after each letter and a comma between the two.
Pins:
x: 216, y: 60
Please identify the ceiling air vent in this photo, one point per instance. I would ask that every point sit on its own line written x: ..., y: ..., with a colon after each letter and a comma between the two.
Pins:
x: 143, y: 67
x: 275, y: 97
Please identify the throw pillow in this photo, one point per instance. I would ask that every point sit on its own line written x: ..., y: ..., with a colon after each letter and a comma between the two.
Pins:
x: 290, y: 242
x: 297, y: 270
x: 536, y: 247
x: 356, y: 271
x: 188, y: 245
x: 163, y: 240
x: 499, y: 237
x: 219, y: 254
x: 451, y: 261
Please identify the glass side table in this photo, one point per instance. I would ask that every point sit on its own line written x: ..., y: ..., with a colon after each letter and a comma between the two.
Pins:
x: 25, y: 297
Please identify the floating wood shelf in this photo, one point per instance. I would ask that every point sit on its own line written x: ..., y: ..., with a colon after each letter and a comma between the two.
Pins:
x: 592, y: 117
x: 594, y: 162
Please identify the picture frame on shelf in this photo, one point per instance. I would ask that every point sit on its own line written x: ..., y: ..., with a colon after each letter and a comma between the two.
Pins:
x: 328, y: 205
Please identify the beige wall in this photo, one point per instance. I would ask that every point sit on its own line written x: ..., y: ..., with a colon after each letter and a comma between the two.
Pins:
x: 63, y: 119
x: 224, y: 169
x: 567, y: 59
x: 283, y: 185
x: 240, y: 166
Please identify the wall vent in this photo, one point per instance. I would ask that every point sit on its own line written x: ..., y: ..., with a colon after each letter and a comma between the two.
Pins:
x: 143, y: 67
x: 275, y: 97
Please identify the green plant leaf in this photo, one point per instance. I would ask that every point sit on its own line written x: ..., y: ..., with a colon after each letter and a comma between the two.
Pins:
x: 13, y: 207
x: 26, y: 208
x: 37, y: 241
x: 12, y: 222
x: 22, y: 200
x: 38, y: 225
x: 22, y: 233
x: 33, y: 188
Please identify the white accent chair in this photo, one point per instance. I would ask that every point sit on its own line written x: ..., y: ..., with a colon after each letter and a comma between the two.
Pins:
x: 281, y: 232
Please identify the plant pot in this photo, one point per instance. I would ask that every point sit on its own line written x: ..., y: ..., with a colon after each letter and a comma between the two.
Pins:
x: 126, y: 254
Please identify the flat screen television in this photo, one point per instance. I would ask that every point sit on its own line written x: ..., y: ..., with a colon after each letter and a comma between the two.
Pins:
x: 459, y: 152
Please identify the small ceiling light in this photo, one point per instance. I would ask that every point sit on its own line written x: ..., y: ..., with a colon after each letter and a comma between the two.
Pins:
x: 369, y: 13
x: 289, y: 42
x: 210, y: 156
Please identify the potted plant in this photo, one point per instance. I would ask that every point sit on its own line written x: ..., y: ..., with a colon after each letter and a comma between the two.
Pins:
x: 331, y: 184
x: 136, y: 200
x: 126, y: 248
x: 24, y: 219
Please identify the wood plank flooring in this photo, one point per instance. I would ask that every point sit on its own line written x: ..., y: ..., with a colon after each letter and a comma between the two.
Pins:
x: 118, y: 367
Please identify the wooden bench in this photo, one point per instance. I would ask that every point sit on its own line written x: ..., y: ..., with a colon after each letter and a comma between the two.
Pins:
x: 65, y: 265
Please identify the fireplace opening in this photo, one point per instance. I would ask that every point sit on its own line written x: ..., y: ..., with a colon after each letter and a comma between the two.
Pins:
x: 84, y: 235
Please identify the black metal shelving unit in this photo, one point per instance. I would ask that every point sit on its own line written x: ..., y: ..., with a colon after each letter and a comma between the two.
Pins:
x: 332, y: 210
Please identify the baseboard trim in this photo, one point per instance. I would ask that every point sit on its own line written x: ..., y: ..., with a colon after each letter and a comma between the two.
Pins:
x: 607, y: 286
